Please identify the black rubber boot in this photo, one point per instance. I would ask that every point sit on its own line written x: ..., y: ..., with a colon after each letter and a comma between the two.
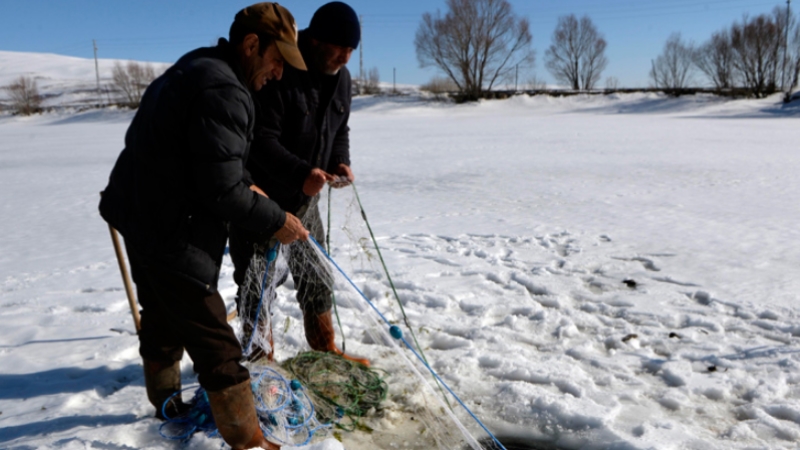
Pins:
x: 163, y: 379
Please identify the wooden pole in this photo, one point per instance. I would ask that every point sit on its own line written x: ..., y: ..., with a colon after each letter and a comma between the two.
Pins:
x: 126, y: 279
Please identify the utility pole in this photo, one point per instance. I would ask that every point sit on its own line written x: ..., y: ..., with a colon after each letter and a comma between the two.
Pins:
x: 361, y: 54
x: 97, y: 72
x: 516, y: 77
x: 394, y: 80
x: 787, y: 92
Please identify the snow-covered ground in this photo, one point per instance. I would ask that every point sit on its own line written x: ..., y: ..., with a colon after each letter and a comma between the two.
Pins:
x: 510, y: 228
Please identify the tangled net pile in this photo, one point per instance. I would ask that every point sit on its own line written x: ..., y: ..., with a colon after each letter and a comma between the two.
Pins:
x: 284, y: 409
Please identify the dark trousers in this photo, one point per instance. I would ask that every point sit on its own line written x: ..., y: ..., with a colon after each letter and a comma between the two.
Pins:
x: 310, y: 277
x: 179, y: 314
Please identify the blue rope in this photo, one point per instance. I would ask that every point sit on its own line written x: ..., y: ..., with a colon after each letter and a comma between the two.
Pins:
x: 295, y: 407
x: 269, y: 256
x: 198, y: 418
x: 295, y: 413
x: 262, y: 407
x: 397, y: 333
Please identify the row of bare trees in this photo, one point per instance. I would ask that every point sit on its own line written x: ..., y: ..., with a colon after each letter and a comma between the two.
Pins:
x: 760, y: 54
x: 480, y: 43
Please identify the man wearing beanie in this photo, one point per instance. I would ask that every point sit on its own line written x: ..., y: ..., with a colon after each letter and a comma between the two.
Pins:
x: 301, y: 143
x: 174, y: 190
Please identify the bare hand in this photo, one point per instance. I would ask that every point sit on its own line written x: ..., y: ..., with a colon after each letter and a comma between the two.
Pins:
x: 258, y: 190
x: 344, y: 176
x: 315, y: 182
x: 292, y: 230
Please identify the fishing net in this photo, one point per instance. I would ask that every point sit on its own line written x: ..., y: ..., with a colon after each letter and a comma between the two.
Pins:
x: 398, y: 401
x: 285, y: 411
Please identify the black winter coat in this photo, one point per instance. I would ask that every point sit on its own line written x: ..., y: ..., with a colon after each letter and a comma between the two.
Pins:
x: 287, y: 143
x: 181, y: 179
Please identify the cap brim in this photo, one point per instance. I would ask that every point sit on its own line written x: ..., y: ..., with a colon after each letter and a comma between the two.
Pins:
x: 291, y: 54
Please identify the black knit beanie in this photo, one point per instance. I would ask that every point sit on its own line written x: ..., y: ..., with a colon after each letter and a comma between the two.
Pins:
x: 336, y: 23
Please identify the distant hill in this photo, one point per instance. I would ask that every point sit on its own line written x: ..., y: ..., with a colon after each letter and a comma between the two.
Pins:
x: 63, y: 81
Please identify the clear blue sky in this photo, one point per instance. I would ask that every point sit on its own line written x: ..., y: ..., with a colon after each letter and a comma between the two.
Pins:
x: 162, y: 30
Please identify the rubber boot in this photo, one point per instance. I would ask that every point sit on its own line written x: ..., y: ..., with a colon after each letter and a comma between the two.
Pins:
x: 234, y: 413
x: 163, y: 379
x: 320, y: 336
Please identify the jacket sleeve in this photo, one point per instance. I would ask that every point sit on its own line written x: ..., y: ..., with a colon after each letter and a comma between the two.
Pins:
x: 267, y: 154
x: 340, y: 152
x: 218, y: 138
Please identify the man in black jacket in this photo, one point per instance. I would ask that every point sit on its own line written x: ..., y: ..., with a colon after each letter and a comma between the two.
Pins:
x: 301, y: 143
x: 176, y: 187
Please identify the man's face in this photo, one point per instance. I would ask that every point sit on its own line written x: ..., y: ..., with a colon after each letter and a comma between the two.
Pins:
x: 330, y: 58
x: 261, y: 68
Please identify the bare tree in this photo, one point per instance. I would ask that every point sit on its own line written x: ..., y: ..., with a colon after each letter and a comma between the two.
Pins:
x: 576, y: 55
x: 535, y: 83
x: 24, y: 96
x: 790, y: 49
x: 784, y: 23
x: 132, y: 80
x: 715, y: 60
x: 672, y: 68
x: 612, y: 83
x: 373, y: 82
x: 440, y: 87
x: 370, y: 85
x: 474, y: 43
x: 794, y: 61
x: 756, y: 47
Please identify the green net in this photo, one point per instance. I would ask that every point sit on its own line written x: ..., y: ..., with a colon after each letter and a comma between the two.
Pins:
x: 342, y: 391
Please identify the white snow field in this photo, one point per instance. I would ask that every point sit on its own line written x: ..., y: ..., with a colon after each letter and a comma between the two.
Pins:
x: 510, y: 228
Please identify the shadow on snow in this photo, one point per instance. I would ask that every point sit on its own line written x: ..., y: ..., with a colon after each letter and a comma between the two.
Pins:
x: 102, y: 380
x: 63, y: 424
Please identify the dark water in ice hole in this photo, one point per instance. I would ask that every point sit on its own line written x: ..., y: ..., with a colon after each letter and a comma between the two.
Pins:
x: 512, y: 443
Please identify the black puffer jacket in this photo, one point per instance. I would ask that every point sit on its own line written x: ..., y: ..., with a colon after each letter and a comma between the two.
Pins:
x: 287, y: 142
x: 181, y: 179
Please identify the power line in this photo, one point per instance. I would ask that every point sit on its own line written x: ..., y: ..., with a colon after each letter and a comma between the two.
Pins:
x: 666, y: 11
x: 641, y: 7
x: 602, y: 10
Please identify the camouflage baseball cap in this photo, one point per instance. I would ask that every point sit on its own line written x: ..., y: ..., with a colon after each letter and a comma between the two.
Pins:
x: 276, y: 21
